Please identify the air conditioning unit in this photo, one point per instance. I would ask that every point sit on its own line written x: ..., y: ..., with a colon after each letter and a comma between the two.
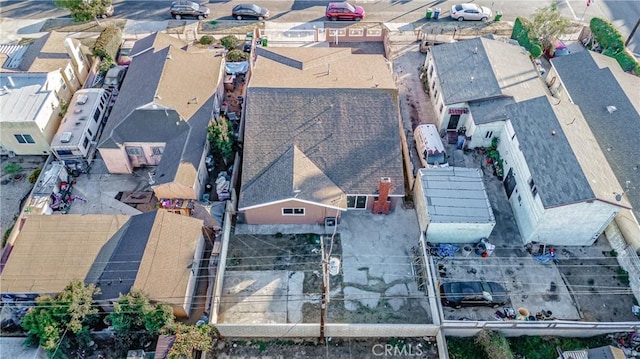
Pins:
x: 330, y: 221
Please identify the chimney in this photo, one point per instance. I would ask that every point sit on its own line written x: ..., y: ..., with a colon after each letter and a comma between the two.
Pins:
x: 383, y: 205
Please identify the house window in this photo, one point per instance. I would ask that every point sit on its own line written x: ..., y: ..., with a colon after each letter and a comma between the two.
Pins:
x: 134, y: 151
x: 85, y: 143
x: 157, y: 151
x: 431, y: 72
x: 293, y: 211
x: 63, y: 84
x: 96, y: 116
x: 441, y: 107
x: 24, y: 138
x: 532, y: 187
x: 433, y: 85
x: 357, y: 202
x: 489, y: 134
x: 89, y: 132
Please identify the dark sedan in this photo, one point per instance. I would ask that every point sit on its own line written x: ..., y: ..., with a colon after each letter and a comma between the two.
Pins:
x: 458, y: 294
x: 249, y: 11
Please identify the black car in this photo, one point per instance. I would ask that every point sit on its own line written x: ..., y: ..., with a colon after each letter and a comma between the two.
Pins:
x: 180, y: 9
x: 458, y: 294
x: 249, y: 11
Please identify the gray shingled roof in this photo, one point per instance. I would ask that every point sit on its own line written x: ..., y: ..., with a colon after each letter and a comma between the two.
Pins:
x: 121, y: 269
x: 553, y: 165
x: 483, y: 68
x: 456, y: 195
x: 350, y: 135
x: 490, y: 110
x: 593, y: 89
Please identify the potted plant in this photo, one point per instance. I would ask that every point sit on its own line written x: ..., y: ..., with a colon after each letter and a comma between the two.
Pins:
x: 499, y: 169
x: 14, y: 170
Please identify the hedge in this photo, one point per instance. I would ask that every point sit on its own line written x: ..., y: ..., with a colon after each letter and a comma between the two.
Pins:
x: 520, y: 33
x: 612, y: 43
x: 108, y: 43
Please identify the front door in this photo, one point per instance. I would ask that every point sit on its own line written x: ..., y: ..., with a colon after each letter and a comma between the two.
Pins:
x: 453, y: 122
x: 510, y: 183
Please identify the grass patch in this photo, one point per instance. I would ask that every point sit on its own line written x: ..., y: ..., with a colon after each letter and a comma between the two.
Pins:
x: 68, y: 25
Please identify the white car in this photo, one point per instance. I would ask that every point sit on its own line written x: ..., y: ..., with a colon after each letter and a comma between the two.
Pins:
x: 463, y: 12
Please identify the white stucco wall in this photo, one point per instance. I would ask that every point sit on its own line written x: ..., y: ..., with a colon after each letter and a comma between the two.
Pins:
x: 458, y: 232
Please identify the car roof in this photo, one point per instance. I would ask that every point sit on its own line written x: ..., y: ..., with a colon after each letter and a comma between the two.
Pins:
x: 470, y: 6
x: 128, y: 43
x: 337, y: 4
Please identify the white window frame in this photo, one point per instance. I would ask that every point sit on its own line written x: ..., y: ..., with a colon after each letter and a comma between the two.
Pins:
x: 295, y: 211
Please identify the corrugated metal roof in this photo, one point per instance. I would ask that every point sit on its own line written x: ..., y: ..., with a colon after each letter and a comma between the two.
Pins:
x: 14, y: 54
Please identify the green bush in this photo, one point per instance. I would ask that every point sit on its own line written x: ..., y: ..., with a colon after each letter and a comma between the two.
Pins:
x: 606, y: 35
x: 495, y: 345
x: 237, y: 56
x: 628, y: 62
x: 33, y: 176
x: 522, y: 34
x: 230, y: 42
x: 206, y: 40
x: 105, y: 65
x: 108, y: 43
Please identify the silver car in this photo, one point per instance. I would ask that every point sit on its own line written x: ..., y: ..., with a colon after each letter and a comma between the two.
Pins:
x: 463, y: 12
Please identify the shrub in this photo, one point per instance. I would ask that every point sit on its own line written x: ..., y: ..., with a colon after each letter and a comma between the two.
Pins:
x: 206, y: 40
x: 105, y: 65
x: 12, y: 168
x: 628, y: 62
x: 237, y: 56
x: 108, y: 43
x: 606, y: 35
x: 33, y: 176
x: 494, y: 344
x: 521, y: 32
x: 230, y: 42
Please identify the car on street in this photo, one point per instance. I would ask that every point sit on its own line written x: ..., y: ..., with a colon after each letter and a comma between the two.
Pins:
x: 344, y: 11
x: 180, y: 9
x: 473, y: 293
x: 113, y: 78
x: 462, y: 12
x: 124, y: 55
x: 249, y: 11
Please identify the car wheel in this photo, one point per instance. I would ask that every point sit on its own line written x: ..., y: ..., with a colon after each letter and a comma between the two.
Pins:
x: 200, y: 17
x: 238, y: 17
x: 460, y: 18
x: 260, y: 18
x: 484, y: 19
x: 357, y: 19
x: 495, y: 305
x: 178, y: 17
x: 333, y: 18
x: 457, y: 306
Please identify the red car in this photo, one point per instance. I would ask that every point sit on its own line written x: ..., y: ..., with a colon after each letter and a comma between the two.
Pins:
x: 344, y: 11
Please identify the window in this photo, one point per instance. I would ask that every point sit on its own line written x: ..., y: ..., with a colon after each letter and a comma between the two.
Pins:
x: 441, y: 107
x: 157, y: 151
x: 85, y: 144
x: 89, y: 132
x: 134, y: 151
x: 293, y: 211
x: 63, y: 84
x: 489, y: 134
x: 64, y: 152
x: 24, y: 138
x: 533, y: 188
x: 96, y: 116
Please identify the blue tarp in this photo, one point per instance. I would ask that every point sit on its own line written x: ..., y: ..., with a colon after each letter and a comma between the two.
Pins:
x: 236, y: 67
x: 447, y: 250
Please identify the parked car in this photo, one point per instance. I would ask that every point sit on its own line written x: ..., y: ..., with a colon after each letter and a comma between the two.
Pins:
x: 458, y: 294
x: 344, y: 11
x: 249, y: 11
x: 463, y: 12
x: 180, y: 9
x: 113, y: 78
x: 554, y: 48
x: 124, y: 55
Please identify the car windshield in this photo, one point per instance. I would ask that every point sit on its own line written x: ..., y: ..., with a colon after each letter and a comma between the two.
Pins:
x: 111, y: 80
x: 194, y: 6
x: 561, y: 51
x: 459, y: 7
x: 255, y: 8
x: 125, y: 52
x: 349, y: 7
x: 435, y: 159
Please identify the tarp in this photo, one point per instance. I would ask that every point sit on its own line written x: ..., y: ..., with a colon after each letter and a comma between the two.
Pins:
x: 236, y: 67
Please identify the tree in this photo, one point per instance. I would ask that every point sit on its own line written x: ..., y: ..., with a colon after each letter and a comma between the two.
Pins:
x: 230, y: 42
x: 136, y: 321
x: 221, y: 139
x: 237, y: 56
x: 84, y: 10
x: 63, y: 321
x: 547, y: 23
x: 190, y: 338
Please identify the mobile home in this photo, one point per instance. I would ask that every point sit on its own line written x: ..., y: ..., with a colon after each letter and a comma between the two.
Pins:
x: 75, y: 141
x: 430, y: 146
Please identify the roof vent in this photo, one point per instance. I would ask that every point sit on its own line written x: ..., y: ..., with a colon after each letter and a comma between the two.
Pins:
x: 611, y: 109
x: 82, y: 99
x: 66, y: 137
x: 77, y: 110
x: 475, y: 50
x: 82, y: 118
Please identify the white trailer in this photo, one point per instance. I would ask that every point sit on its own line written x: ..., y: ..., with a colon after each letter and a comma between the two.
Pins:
x: 430, y: 147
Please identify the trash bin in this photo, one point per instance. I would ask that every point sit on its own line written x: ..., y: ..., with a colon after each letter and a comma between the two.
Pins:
x: 498, y: 16
x: 429, y: 12
x: 264, y: 41
x: 436, y: 13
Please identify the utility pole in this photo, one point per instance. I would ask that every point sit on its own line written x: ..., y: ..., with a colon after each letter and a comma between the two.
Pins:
x: 632, y: 33
x: 323, y: 301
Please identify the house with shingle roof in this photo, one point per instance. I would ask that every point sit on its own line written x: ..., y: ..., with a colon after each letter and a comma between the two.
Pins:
x: 471, y: 82
x: 560, y: 187
x: 167, y: 100
x: 156, y: 252
x: 322, y: 128
x: 583, y: 79
x: 35, y: 81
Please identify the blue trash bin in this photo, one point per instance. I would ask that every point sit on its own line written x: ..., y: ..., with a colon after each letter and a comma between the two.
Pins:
x: 436, y: 13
